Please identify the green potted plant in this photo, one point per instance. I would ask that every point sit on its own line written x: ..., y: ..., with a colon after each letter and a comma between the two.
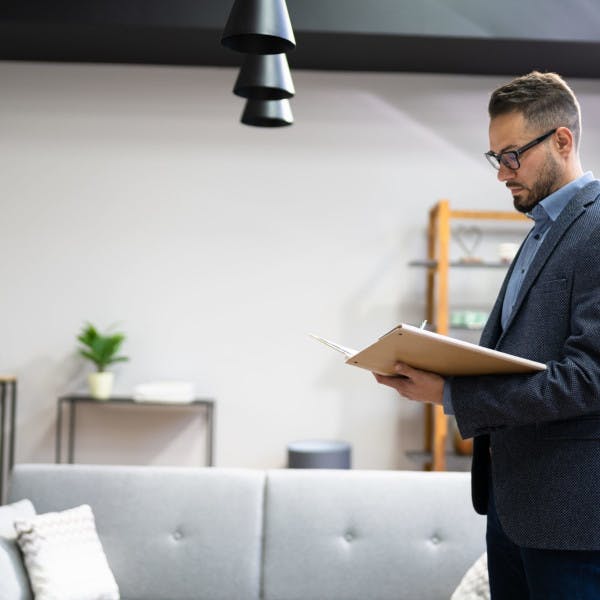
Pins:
x: 102, y: 350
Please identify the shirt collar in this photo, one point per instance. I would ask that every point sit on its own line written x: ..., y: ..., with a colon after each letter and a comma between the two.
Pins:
x: 555, y: 202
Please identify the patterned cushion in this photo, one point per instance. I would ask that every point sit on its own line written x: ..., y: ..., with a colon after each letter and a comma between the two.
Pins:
x: 13, y: 583
x: 64, y: 556
x: 475, y: 584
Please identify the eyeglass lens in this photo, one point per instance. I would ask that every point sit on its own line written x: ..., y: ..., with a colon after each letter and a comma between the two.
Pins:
x: 508, y: 159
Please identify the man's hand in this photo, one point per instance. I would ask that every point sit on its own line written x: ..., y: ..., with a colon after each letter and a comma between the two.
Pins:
x: 415, y: 384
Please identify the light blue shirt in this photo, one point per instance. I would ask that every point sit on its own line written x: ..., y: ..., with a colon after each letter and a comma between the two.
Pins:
x: 544, y: 214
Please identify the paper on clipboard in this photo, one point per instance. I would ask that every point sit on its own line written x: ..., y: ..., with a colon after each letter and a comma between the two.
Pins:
x: 430, y: 351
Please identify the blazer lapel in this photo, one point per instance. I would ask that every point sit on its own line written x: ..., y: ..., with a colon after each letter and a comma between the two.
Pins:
x: 568, y: 216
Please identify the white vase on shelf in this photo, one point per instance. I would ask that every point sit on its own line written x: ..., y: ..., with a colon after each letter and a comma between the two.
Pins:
x: 101, y: 384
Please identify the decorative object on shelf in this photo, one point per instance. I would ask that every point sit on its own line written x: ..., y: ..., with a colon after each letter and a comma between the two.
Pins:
x: 507, y: 251
x: 164, y: 391
x: 468, y: 319
x: 262, y: 30
x: 102, y: 350
x: 468, y: 238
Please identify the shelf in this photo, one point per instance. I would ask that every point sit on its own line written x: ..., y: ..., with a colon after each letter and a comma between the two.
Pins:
x: 438, y: 264
x: 432, y: 264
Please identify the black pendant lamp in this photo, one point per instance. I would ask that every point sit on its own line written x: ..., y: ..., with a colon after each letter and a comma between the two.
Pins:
x: 264, y: 77
x: 267, y: 113
x: 259, y: 27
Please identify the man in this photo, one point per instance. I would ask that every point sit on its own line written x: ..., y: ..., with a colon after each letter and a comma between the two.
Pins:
x: 536, y: 458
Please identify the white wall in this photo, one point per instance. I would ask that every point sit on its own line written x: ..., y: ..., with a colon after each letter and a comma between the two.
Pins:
x: 132, y: 195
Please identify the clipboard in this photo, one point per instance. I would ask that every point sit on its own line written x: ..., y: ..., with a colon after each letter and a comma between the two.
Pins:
x: 422, y: 349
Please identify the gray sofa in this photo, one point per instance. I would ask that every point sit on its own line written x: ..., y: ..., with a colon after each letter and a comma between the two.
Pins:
x: 241, y: 534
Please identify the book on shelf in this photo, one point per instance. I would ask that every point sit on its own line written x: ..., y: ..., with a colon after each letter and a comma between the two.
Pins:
x: 429, y: 351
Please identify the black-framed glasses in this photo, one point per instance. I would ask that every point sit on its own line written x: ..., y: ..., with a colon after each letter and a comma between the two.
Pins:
x: 510, y: 158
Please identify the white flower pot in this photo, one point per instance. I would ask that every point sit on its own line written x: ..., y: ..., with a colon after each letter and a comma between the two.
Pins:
x: 101, y: 384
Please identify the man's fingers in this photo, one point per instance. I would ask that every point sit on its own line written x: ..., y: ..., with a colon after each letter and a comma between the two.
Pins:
x: 414, y: 384
x: 399, y: 383
x: 403, y: 369
x: 386, y: 379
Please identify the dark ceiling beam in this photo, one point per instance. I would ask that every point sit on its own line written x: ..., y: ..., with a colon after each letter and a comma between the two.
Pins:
x: 389, y: 35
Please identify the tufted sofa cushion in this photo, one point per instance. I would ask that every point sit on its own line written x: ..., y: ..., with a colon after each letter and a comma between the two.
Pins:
x: 168, y: 533
x: 377, y: 535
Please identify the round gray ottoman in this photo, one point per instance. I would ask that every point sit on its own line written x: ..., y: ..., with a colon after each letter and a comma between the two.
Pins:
x: 319, y: 454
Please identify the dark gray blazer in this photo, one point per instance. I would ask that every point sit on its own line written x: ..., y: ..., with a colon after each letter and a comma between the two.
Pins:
x: 540, y: 433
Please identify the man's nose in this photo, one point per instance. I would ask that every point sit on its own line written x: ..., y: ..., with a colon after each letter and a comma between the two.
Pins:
x: 505, y: 173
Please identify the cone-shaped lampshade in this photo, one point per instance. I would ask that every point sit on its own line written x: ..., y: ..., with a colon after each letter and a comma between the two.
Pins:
x: 267, y: 113
x: 264, y: 77
x: 259, y: 27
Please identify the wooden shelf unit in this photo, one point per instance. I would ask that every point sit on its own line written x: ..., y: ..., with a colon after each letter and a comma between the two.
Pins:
x: 437, y: 304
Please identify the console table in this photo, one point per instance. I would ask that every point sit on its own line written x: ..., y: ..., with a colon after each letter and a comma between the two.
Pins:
x: 8, y: 417
x: 205, y: 405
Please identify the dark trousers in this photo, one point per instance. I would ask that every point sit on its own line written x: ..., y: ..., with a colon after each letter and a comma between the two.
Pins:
x: 518, y: 573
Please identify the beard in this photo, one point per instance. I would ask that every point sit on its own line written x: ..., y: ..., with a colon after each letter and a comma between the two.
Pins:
x: 546, y: 183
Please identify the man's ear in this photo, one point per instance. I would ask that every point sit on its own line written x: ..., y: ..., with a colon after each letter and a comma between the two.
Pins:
x: 564, y: 140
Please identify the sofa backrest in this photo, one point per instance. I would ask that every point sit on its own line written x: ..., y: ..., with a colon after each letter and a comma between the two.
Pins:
x: 373, y: 535
x: 241, y: 534
x: 168, y: 533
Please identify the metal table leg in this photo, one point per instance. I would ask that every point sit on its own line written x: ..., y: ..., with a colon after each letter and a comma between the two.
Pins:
x: 71, y: 456
x: 13, y: 426
x: 2, y: 440
x: 58, y: 441
x: 210, y: 434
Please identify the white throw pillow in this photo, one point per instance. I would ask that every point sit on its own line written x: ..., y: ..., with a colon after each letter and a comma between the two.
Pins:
x: 13, y: 583
x: 475, y: 584
x: 64, y: 557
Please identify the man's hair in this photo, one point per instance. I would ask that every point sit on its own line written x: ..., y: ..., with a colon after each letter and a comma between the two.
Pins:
x: 544, y: 99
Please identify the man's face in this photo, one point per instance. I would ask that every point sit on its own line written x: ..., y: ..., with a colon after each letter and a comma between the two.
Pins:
x: 540, y: 172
